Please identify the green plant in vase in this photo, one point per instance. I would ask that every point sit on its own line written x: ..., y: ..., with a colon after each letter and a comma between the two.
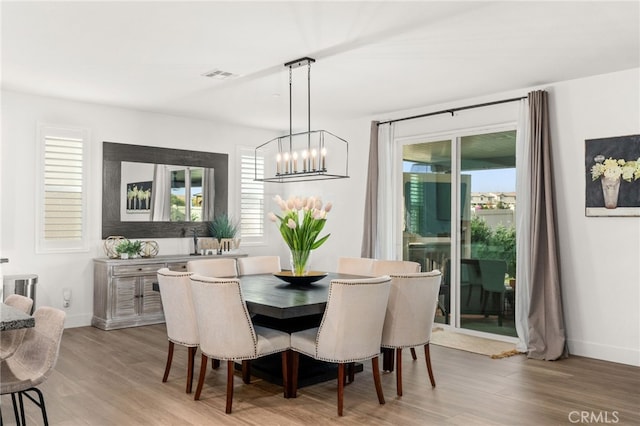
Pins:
x: 224, y: 229
x: 300, y: 226
x: 129, y: 249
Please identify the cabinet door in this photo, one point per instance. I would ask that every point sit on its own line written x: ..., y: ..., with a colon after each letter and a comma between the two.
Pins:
x: 150, y: 302
x: 124, y: 297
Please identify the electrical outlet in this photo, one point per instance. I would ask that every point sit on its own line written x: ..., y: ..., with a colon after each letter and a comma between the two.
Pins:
x: 66, y: 296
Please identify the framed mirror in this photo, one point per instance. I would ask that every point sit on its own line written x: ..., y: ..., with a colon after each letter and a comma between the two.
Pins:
x: 154, y: 173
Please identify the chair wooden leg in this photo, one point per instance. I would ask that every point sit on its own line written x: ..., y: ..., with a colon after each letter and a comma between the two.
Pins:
x: 352, y: 371
x: 191, y: 356
x: 295, y: 361
x: 399, y: 371
x: 246, y: 372
x: 203, y: 372
x: 427, y: 356
x: 376, y: 379
x: 340, y: 388
x: 167, y: 368
x: 413, y: 354
x: 215, y: 364
x: 285, y: 373
x: 230, y: 368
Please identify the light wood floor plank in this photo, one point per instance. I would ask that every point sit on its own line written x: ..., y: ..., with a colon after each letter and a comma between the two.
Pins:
x: 115, y: 378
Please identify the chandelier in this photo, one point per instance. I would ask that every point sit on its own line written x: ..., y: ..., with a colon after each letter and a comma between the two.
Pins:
x: 305, y: 156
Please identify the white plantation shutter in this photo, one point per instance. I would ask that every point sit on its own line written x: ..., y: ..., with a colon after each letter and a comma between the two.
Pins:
x: 62, y: 214
x: 252, y: 214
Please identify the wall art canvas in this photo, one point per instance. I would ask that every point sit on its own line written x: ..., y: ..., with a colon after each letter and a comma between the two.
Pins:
x: 138, y: 197
x: 612, y: 176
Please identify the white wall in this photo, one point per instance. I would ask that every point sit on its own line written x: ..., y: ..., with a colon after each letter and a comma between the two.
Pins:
x: 599, y: 257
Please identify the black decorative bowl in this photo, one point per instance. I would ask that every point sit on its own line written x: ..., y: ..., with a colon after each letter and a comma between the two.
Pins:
x: 311, y: 277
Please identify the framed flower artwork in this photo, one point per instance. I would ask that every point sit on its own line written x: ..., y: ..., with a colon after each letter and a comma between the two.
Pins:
x: 612, y: 171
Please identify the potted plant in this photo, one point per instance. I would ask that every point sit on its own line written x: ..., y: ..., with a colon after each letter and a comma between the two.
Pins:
x: 225, y: 229
x: 128, y: 249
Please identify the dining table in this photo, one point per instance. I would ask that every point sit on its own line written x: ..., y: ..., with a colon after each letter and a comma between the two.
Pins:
x: 14, y: 319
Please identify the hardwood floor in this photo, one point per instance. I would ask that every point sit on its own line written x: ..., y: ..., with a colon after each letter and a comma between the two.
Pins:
x: 115, y: 378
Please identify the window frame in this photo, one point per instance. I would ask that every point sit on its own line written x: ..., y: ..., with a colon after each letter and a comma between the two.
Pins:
x: 250, y: 153
x: 43, y: 245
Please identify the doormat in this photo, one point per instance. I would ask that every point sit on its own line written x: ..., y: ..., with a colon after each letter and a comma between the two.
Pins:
x: 479, y: 345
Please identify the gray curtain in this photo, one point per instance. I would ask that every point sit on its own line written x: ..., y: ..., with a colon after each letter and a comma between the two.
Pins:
x: 371, y: 197
x: 546, y: 322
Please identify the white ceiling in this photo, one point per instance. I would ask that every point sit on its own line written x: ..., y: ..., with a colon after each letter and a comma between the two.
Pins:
x: 372, y: 57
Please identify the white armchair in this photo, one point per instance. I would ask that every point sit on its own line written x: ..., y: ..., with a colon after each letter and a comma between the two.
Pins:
x: 220, y: 268
x: 409, y: 318
x: 356, y: 266
x: 226, y: 331
x: 350, y: 331
x: 179, y: 315
x: 253, y: 265
x: 388, y: 267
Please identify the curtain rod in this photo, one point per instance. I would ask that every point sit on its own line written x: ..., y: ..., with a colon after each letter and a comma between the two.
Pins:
x: 452, y: 110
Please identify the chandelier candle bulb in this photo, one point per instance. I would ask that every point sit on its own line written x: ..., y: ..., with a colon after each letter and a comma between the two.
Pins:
x: 305, y: 156
x: 295, y: 162
x: 286, y: 162
x: 278, y: 159
x: 314, y: 154
x: 323, y: 157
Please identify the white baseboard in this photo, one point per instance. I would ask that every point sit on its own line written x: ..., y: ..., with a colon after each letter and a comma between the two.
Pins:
x: 73, y: 321
x: 630, y: 356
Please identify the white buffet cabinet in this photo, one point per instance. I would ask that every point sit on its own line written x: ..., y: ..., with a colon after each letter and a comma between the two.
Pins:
x: 123, y: 294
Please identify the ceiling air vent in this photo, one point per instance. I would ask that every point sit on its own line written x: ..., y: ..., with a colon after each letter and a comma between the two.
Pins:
x: 219, y: 74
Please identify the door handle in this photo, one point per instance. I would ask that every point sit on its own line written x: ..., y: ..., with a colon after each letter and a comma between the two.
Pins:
x: 4, y: 260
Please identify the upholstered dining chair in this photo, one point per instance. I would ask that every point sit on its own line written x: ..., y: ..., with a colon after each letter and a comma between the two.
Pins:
x: 410, y: 315
x: 253, y: 265
x: 350, y: 330
x: 33, y: 361
x: 10, y: 339
x: 355, y: 266
x: 226, y: 331
x: 221, y: 268
x: 388, y: 267
x: 180, y: 318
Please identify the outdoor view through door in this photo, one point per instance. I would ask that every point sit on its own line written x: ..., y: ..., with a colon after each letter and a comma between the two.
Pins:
x: 472, y: 241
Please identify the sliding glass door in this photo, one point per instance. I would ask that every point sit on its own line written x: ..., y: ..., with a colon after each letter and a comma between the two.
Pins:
x: 459, y: 217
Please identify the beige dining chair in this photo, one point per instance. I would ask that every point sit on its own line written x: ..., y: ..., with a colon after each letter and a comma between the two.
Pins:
x: 11, y: 339
x: 350, y: 330
x: 221, y: 268
x: 388, y: 267
x: 227, y: 333
x: 180, y: 318
x: 33, y: 361
x: 410, y: 315
x: 355, y: 266
x: 253, y: 265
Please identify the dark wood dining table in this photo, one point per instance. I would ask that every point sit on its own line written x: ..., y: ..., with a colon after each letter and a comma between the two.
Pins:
x: 13, y: 319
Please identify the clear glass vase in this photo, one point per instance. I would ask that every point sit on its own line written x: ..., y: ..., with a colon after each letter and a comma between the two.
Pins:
x: 299, y: 262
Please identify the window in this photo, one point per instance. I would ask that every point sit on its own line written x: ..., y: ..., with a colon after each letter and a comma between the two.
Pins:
x: 252, y: 214
x: 62, y: 218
